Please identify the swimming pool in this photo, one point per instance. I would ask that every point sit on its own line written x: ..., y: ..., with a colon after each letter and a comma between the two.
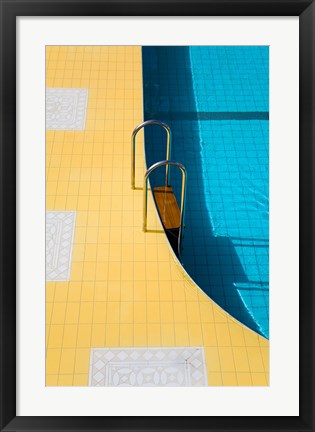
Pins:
x: 216, y: 101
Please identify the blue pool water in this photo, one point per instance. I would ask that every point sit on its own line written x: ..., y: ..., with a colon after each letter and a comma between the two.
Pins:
x: 216, y: 101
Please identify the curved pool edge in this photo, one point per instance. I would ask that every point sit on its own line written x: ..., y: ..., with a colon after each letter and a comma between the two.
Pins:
x: 184, y: 272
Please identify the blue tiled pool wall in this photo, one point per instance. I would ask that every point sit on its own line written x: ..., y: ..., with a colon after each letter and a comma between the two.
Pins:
x: 215, y: 100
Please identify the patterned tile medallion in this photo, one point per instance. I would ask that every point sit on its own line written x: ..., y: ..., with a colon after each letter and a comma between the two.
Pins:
x: 66, y: 108
x: 60, y: 227
x: 148, y: 367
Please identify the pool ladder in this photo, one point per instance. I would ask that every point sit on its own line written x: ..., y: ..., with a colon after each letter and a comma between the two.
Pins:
x: 171, y: 216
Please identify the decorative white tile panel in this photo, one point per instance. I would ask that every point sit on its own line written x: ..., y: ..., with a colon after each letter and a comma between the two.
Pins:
x: 148, y: 367
x: 60, y: 226
x: 66, y: 108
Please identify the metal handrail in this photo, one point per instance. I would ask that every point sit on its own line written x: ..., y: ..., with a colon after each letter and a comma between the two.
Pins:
x: 183, y: 195
x: 133, y: 146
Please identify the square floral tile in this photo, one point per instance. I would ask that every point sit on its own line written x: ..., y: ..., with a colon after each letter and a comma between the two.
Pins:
x: 60, y: 227
x: 148, y: 367
x: 66, y: 108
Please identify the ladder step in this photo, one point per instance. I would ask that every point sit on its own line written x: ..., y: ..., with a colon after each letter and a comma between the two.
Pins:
x: 167, y: 206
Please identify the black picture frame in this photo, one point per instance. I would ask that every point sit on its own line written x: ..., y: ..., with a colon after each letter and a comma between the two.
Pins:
x: 10, y: 10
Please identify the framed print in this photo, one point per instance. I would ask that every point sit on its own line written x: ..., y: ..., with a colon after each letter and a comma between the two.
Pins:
x: 157, y: 187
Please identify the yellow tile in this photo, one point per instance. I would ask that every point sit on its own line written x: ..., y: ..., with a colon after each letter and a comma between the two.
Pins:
x: 264, y: 342
x: 100, y: 293
x: 153, y: 292
x: 90, y: 252
x: 126, y: 291
x: 114, y: 271
x: 51, y: 380
x: 223, y: 334
x: 255, y: 359
x: 226, y: 359
x: 140, y: 292
x: 212, y: 359
x: 237, y: 335
x: 60, y: 202
x: 165, y: 291
x: 53, y: 361
x: 78, y: 253
x: 209, y: 334
x: 80, y: 380
x: 244, y: 379
x: 50, y: 202
x: 62, y: 188
x: 112, y: 335
x: 167, y: 335
x: 151, y: 251
x: 70, y: 336
x: 49, y: 309
x: 153, y: 312
x: 55, y: 336
x: 115, y: 252
x: 101, y: 272
x: 166, y: 311
x: 251, y: 339
x: 71, y: 202
x: 89, y: 270
x: 139, y: 252
x: 181, y: 335
x: 127, y: 271
x: 80, y: 235
x: 219, y: 315
x: 154, y: 335
x: 126, y: 312
x: 180, y: 314
x: 259, y: 379
x: 73, y: 188
x: 100, y: 312
x: 51, y: 188
x: 84, y: 335
x: 152, y: 272
x: 140, y: 312
x: 265, y: 357
x: 126, y: 335
x: 195, y: 334
x: 58, y: 313
x: 214, y: 379
x: 140, y: 335
x: 139, y: 271
x: 113, y: 312
x: 113, y: 291
x: 105, y: 235
x: 127, y: 252
x: 47, y: 329
x: 206, y: 312
x: 86, y: 313
x: 76, y: 271
x: 178, y: 291
x: 81, y: 217
x: 87, y: 293
x: 164, y: 272
x: 82, y: 361
x: 72, y: 313
x: 104, y: 218
x: 91, y: 234
x: 193, y: 312
x: 240, y: 359
x: 67, y: 361
x: 229, y: 379
x: 98, y: 335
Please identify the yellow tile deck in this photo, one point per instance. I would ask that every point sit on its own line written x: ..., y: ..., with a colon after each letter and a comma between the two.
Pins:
x: 126, y: 288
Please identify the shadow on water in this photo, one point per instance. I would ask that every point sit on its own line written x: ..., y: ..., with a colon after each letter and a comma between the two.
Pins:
x: 210, y: 260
